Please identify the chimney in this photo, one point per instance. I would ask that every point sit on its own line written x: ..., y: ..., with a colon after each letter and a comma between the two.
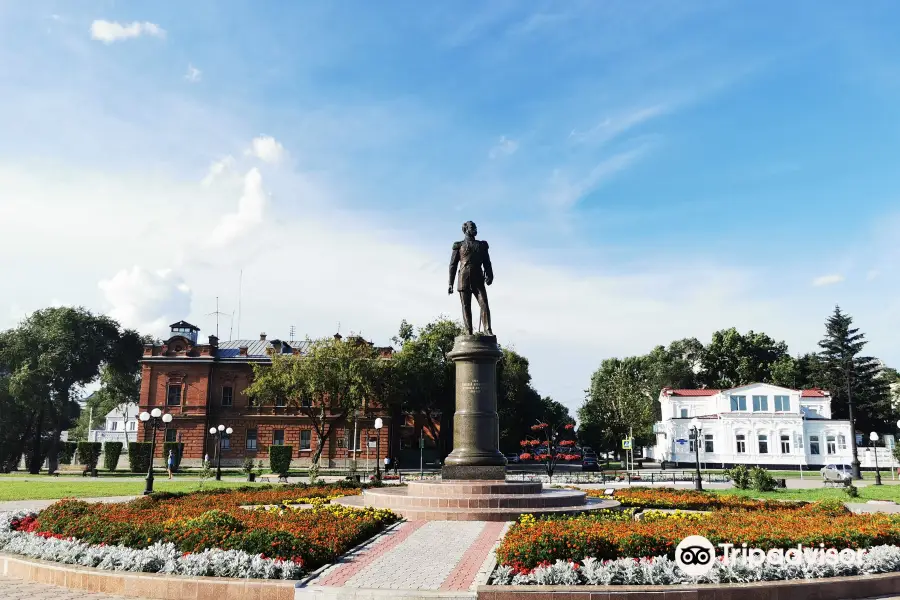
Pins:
x: 242, y: 351
x: 262, y: 336
x: 213, y: 341
x: 337, y: 337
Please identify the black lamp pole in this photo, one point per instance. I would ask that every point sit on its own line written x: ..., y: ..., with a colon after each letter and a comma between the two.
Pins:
x: 874, y: 437
x: 153, y: 420
x: 220, y: 433
x: 698, y: 483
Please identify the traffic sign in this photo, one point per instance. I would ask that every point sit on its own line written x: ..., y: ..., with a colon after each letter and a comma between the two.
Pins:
x: 626, y: 444
x: 681, y: 441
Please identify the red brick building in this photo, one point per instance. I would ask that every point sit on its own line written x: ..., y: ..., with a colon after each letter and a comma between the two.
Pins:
x: 202, y: 385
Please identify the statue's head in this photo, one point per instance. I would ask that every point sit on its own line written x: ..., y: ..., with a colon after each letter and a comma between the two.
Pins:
x: 469, y: 228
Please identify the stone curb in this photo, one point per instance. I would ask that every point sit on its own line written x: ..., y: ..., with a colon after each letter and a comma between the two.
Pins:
x: 829, y: 588
x: 145, y: 585
x: 490, y: 563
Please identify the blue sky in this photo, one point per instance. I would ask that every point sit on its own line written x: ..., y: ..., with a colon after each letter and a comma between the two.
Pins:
x: 643, y: 171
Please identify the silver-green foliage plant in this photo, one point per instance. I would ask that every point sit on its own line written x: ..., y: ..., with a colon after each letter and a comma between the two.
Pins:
x: 158, y: 558
x: 664, y: 571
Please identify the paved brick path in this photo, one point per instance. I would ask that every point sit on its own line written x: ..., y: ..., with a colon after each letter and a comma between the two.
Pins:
x: 16, y: 589
x: 440, y: 557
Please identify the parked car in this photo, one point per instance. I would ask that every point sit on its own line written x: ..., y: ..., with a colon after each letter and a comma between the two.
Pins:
x: 836, y: 472
x: 512, y: 458
x: 589, y: 463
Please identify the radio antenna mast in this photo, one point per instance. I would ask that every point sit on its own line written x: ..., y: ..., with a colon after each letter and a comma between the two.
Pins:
x: 293, y: 331
x: 217, y: 313
x: 240, y: 287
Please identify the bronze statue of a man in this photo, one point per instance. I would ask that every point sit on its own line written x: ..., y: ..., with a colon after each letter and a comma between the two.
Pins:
x: 475, y: 272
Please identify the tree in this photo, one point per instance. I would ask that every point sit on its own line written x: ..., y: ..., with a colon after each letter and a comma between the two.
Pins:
x: 858, y: 391
x: 621, y: 399
x: 732, y: 359
x: 328, y: 382
x: 424, y: 378
x: 518, y: 404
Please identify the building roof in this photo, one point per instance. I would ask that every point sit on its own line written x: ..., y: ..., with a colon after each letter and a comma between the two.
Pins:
x: 131, y: 409
x: 184, y: 325
x: 810, y: 393
x: 257, y: 348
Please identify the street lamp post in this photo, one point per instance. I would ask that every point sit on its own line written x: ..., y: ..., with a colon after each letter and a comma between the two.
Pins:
x: 378, y: 425
x: 153, y: 420
x: 221, y: 432
x: 874, y: 438
x: 696, y: 428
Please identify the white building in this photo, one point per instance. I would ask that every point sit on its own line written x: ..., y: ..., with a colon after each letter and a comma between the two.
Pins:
x: 755, y: 424
x: 117, y: 425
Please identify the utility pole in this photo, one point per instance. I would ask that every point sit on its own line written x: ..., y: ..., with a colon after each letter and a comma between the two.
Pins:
x: 421, y: 453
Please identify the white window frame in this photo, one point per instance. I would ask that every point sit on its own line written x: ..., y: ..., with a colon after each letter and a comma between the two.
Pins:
x: 830, y: 444
x: 760, y: 403
x: 785, y: 441
x: 762, y: 438
x: 308, y: 445
x: 735, y: 400
x: 740, y: 445
x: 785, y: 402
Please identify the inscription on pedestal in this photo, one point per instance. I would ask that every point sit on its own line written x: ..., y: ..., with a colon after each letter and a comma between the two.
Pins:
x: 473, y: 386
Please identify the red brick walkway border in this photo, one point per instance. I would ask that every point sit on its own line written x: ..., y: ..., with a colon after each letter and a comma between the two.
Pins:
x: 342, y: 573
x: 463, y: 574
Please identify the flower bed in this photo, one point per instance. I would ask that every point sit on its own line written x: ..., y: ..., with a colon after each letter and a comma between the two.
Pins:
x: 214, y: 520
x: 532, y: 543
x: 639, y: 497
x: 663, y: 571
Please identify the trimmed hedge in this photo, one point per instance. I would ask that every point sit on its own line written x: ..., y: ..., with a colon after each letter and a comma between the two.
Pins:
x: 178, y: 447
x: 89, y: 454
x: 111, y: 453
x: 280, y: 459
x: 139, y: 456
x: 67, y: 452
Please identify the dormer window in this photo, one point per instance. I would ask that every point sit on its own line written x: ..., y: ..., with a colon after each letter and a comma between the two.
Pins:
x: 739, y: 403
x: 782, y: 403
x: 760, y: 403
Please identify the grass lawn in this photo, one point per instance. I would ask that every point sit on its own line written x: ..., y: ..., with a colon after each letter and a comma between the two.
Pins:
x: 45, y: 488
x: 870, y: 492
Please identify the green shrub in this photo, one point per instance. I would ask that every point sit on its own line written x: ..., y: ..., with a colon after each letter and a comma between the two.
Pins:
x: 89, y: 454
x: 852, y: 490
x: 761, y: 480
x: 247, y: 465
x: 139, y: 456
x: 280, y: 459
x: 111, y: 453
x: 67, y: 452
x: 178, y: 448
x: 740, y: 477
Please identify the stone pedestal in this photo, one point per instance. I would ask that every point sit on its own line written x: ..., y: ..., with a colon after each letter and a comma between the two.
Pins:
x: 476, y: 426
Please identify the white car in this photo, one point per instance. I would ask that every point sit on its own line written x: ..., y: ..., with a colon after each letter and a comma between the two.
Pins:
x: 836, y: 472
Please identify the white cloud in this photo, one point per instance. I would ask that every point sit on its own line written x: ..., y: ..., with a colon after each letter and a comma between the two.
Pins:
x: 193, y: 74
x: 112, y: 31
x: 217, y: 169
x: 267, y: 149
x: 564, y: 192
x: 251, y: 207
x: 146, y: 300
x: 503, y: 147
x: 872, y: 275
x: 612, y: 127
x: 828, y: 279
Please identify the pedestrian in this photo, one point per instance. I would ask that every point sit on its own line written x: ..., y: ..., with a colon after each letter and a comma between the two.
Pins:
x: 387, y: 465
x: 170, y: 463
x: 206, y: 459
x: 396, y: 464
